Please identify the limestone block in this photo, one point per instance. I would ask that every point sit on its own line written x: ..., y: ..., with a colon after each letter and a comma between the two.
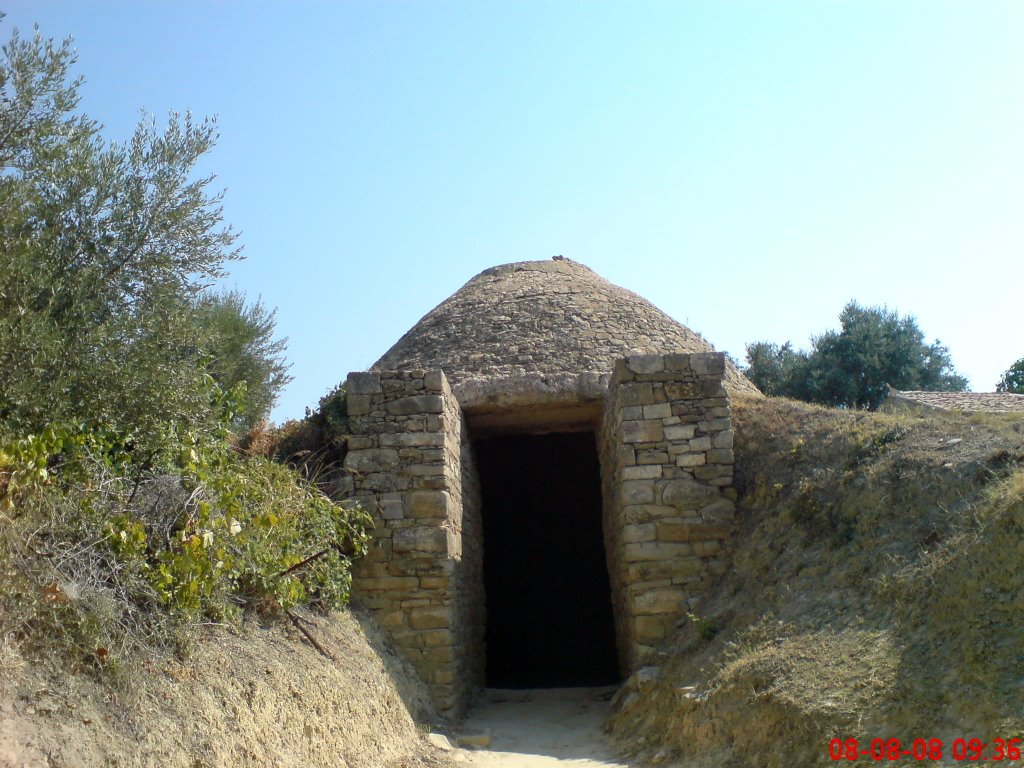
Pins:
x: 632, y: 413
x: 660, y: 601
x: 642, y: 513
x: 358, y: 405
x: 709, y: 531
x: 723, y: 439
x: 654, y: 570
x: 390, y: 618
x: 648, y: 628
x: 636, y: 393
x: 390, y: 583
x: 678, y: 363
x: 707, y: 548
x: 372, y: 460
x: 430, y: 618
x: 645, y: 363
x: 413, y: 439
x: 708, y: 363
x: 430, y: 538
x: 435, y: 638
x: 652, y: 457
x: 363, y: 383
x: 687, y: 494
x: 434, y: 381
x: 699, y: 444
x: 649, y: 472
x: 422, y: 470
x: 639, y: 532
x: 643, y: 432
x: 626, y: 455
x: 719, y: 511
x: 443, y: 674
x: 690, y: 459
x: 683, y: 390
x: 674, y: 530
x: 434, y: 582
x: 429, y: 504
x: 660, y: 411
x: 391, y: 507
x: 636, y: 492
x: 359, y: 442
x: 415, y: 404
x: 680, y: 432
x: 710, y: 472
x: 712, y: 389
x: 655, y: 550
x: 720, y: 456
x: 441, y: 655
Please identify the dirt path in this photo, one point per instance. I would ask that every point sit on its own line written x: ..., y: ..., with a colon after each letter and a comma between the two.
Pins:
x: 538, y: 729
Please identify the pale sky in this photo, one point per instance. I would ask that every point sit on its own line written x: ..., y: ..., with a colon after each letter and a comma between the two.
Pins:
x: 749, y: 167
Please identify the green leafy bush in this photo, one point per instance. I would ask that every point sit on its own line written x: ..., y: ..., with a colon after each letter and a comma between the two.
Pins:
x: 101, y: 556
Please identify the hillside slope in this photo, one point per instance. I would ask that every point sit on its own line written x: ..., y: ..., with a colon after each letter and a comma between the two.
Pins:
x: 254, y: 697
x: 877, y: 591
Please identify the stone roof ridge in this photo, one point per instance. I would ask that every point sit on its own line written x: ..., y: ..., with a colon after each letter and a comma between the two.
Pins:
x: 971, y: 402
x: 530, y: 318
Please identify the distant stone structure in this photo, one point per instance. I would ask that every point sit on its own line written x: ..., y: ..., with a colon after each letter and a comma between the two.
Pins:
x: 967, y: 402
x: 539, y: 348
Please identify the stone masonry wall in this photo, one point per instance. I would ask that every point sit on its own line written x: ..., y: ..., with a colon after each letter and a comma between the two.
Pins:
x: 411, y: 466
x: 667, y: 470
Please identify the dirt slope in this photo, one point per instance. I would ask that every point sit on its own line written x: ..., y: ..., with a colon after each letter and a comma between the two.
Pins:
x: 257, y: 697
x: 876, y: 591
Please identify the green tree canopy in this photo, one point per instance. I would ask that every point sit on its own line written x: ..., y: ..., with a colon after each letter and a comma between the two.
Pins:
x: 853, y: 367
x: 106, y: 249
x: 239, y: 341
x: 1013, y: 379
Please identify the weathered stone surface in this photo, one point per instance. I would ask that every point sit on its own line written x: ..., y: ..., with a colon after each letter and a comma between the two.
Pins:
x: 719, y: 511
x: 639, y: 532
x: 723, y: 439
x: 649, y: 472
x: 363, y: 383
x: 574, y: 321
x: 657, y: 550
x: 407, y: 406
x: 420, y: 539
x: 691, y: 459
x: 359, y: 405
x: 430, y: 618
x: 688, y: 494
x: 660, y: 601
x: 680, y: 432
x: 636, y: 492
x: 429, y: 504
x: 642, y: 432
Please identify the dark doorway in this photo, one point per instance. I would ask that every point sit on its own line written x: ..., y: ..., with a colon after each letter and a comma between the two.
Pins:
x: 549, y: 613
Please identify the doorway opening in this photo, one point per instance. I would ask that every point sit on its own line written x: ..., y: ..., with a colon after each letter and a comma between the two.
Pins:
x: 549, y: 611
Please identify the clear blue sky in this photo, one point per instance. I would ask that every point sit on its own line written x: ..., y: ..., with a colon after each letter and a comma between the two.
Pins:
x: 747, y: 166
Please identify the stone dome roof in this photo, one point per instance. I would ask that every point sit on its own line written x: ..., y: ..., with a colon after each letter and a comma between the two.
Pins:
x: 539, y: 319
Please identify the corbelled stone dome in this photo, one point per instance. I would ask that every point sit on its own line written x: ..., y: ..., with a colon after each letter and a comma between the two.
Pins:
x: 541, y: 319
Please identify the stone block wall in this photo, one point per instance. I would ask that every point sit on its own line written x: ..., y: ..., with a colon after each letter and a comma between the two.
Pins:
x: 411, y: 466
x: 667, y: 472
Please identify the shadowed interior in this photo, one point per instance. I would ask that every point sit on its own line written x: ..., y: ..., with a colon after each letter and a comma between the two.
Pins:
x: 549, y: 613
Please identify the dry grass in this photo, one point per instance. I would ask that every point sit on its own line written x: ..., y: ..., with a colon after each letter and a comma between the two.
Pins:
x: 876, y: 590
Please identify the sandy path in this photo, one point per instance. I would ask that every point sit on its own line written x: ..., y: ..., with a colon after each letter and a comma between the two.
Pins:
x: 537, y: 729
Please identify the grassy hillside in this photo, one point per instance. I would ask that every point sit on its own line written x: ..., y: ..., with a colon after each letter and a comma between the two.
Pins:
x: 877, y: 590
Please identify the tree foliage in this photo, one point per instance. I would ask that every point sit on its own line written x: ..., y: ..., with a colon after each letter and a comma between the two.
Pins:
x: 240, y: 347
x: 105, y: 247
x: 1013, y: 379
x: 854, y: 366
x: 121, y: 380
